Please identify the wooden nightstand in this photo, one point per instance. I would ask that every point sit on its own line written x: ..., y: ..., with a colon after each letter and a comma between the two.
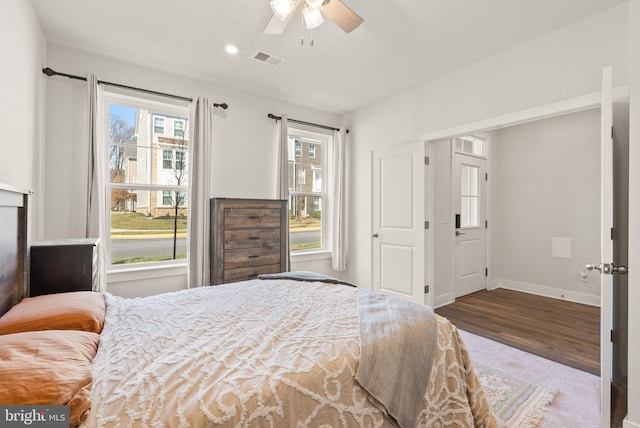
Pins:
x: 62, y: 265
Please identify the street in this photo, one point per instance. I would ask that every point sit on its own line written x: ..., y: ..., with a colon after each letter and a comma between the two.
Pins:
x: 124, y: 248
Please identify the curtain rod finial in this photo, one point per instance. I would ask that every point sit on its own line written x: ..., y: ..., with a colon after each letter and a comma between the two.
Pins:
x: 48, y: 71
x: 223, y: 106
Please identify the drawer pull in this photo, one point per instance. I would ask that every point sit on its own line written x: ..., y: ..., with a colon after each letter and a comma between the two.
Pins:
x: 254, y: 238
x: 254, y: 217
x: 253, y: 257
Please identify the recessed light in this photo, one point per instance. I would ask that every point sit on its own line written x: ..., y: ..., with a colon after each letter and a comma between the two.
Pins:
x: 231, y: 49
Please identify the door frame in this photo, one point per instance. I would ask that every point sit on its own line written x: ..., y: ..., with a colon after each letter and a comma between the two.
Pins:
x: 570, y: 105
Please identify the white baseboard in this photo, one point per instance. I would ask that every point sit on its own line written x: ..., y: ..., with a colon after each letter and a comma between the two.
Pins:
x: 628, y: 424
x: 543, y: 290
x: 443, y: 300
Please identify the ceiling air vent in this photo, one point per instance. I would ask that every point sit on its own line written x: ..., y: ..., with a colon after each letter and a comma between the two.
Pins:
x: 267, y: 58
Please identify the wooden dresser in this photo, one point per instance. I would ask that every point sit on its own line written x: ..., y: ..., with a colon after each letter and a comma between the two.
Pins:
x: 248, y: 238
x: 63, y: 265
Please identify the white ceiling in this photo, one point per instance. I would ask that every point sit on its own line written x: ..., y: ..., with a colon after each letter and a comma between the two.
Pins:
x: 400, y: 44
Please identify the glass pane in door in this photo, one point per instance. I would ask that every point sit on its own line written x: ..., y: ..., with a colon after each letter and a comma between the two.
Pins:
x: 469, y: 196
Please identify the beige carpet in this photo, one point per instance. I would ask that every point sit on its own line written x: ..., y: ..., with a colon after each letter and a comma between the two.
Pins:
x: 577, y: 403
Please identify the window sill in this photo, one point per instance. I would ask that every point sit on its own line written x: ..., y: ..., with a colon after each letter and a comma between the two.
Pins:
x: 124, y: 274
x: 310, y: 255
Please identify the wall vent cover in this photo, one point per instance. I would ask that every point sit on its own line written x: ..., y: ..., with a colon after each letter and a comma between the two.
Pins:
x: 268, y: 58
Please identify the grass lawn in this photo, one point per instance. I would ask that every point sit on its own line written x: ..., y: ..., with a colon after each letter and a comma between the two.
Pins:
x: 138, y: 221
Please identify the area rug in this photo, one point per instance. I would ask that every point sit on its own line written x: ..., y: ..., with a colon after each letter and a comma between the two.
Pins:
x: 516, y: 402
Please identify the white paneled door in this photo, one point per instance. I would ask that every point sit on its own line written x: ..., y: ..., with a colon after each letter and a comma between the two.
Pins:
x: 469, y: 178
x: 398, y: 221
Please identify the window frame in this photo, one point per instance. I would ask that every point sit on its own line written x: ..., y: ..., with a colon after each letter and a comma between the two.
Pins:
x: 323, y: 139
x: 169, y: 108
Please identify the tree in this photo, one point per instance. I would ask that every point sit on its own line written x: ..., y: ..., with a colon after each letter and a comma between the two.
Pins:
x: 119, y: 133
x: 179, y: 178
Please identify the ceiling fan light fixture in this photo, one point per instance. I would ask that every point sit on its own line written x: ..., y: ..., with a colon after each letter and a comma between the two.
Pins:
x: 312, y: 17
x: 282, y: 8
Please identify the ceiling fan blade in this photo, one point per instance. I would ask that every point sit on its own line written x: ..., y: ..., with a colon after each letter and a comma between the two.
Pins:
x: 342, y: 15
x: 275, y: 25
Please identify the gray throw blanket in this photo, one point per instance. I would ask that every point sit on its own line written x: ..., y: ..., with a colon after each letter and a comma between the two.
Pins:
x: 397, y: 343
x: 303, y: 275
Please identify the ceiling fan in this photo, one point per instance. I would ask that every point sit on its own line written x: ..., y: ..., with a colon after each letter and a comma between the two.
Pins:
x: 313, y: 10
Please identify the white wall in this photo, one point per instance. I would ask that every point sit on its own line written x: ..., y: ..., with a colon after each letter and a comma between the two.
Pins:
x: 546, y: 184
x: 562, y: 64
x: 244, y: 150
x: 23, y: 51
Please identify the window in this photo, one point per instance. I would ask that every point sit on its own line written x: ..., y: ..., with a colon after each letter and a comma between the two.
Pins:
x: 167, y: 159
x: 469, y: 196
x: 471, y: 145
x: 158, y: 125
x: 178, y: 128
x: 147, y: 184
x: 180, y: 160
x: 308, y: 222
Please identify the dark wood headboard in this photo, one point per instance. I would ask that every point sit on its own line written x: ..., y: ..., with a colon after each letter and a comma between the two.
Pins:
x: 13, y: 246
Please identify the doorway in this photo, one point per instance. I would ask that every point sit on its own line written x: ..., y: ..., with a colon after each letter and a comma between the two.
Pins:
x: 520, y: 207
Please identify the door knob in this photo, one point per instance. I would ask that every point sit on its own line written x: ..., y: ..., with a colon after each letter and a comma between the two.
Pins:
x: 375, y: 235
x: 609, y: 268
x: 622, y: 270
x: 594, y: 267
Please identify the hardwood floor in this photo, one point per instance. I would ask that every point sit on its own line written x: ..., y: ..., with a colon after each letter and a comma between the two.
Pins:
x: 565, y: 332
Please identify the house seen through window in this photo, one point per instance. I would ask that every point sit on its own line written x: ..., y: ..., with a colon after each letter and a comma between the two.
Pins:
x: 147, y: 185
x: 308, y: 165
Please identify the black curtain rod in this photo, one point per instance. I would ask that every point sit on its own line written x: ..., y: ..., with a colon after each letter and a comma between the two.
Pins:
x: 50, y: 72
x: 301, y: 122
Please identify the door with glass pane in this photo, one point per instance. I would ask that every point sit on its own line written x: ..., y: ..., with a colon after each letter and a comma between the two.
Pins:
x: 469, y: 180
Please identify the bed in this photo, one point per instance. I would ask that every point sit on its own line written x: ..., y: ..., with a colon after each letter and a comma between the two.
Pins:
x: 281, y: 351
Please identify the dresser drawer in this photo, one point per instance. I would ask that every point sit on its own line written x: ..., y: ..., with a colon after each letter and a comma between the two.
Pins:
x: 245, y: 273
x: 251, y: 257
x: 252, y: 217
x: 251, y: 238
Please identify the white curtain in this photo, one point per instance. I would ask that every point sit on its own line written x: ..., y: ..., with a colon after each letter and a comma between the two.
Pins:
x: 339, y: 248
x: 282, y: 190
x: 95, y: 224
x: 199, y: 191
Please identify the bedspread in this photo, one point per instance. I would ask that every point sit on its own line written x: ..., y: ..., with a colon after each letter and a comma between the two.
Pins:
x: 274, y: 353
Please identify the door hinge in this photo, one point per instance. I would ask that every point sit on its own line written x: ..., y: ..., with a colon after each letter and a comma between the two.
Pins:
x: 426, y: 160
x: 486, y: 271
x: 612, y: 234
x: 426, y: 225
x: 426, y: 289
x: 612, y: 336
x: 486, y: 176
x: 486, y: 224
x: 612, y: 132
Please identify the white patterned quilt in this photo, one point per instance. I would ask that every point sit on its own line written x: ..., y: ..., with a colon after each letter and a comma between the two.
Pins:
x: 276, y: 353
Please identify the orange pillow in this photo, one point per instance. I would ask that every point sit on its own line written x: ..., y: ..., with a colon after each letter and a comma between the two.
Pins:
x: 48, y: 368
x: 78, y: 310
